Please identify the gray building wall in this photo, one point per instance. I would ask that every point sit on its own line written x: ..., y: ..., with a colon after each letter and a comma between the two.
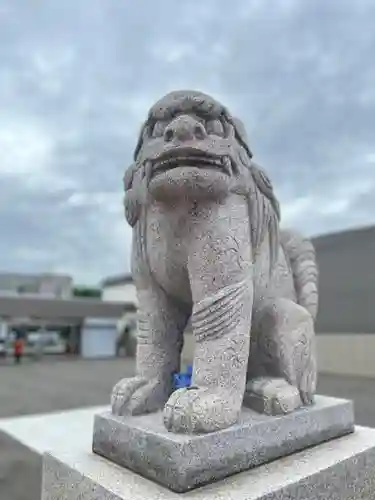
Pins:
x: 347, y: 281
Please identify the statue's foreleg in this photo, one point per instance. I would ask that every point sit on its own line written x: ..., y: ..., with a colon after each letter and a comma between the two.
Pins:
x: 282, y: 369
x: 221, y: 326
x: 159, y: 343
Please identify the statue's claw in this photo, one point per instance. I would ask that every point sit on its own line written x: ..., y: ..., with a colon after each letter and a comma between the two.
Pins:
x: 137, y: 395
x: 193, y: 410
x: 123, y: 391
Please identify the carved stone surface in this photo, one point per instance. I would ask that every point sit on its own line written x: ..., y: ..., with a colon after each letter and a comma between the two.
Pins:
x: 182, y: 462
x: 207, y: 245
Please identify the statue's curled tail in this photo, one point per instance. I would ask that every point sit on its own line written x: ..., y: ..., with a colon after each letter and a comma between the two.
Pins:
x: 301, y: 255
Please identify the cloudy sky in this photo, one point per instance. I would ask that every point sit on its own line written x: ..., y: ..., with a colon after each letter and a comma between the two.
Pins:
x: 77, y: 77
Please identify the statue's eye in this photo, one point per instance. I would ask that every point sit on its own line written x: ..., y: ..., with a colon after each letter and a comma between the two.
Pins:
x: 159, y: 128
x: 215, y: 127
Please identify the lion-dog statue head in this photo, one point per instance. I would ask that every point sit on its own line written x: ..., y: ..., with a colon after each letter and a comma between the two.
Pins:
x: 191, y: 147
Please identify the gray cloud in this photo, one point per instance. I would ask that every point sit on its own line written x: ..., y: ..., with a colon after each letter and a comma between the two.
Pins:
x: 76, y: 79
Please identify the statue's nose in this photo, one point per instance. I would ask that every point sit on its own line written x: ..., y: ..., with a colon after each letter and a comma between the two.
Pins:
x: 184, y: 128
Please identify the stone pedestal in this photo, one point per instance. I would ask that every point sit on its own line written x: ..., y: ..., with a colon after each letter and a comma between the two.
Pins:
x: 182, y: 462
x: 340, y: 469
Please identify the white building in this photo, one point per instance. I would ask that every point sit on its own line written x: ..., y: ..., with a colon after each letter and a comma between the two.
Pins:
x: 119, y: 289
x: 57, y: 286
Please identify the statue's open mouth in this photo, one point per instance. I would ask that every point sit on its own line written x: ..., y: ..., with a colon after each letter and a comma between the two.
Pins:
x: 179, y: 157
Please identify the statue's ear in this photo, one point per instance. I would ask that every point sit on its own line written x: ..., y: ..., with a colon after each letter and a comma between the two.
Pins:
x: 132, y: 207
x: 131, y: 199
x: 129, y: 176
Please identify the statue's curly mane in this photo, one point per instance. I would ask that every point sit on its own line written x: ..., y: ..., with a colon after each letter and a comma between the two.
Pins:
x: 264, y: 209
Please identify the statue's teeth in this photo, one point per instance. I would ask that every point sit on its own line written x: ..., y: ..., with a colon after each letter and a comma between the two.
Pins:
x: 194, y: 160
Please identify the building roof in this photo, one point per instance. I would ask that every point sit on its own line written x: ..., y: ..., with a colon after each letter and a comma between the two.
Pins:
x: 364, y: 234
x: 73, y: 309
x: 121, y: 279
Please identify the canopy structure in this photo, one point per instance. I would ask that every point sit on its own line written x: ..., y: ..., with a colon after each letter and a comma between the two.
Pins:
x: 23, y: 309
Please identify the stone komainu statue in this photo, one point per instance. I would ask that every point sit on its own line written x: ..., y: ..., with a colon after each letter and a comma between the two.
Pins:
x: 207, y: 246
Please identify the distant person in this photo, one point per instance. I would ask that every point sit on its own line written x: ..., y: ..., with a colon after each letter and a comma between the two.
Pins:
x: 18, y: 350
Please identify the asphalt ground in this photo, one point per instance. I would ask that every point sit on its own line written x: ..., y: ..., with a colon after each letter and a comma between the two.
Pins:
x: 52, y: 385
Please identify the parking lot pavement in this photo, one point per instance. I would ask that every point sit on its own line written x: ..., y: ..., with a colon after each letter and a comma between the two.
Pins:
x: 58, y: 385
x: 52, y: 385
x: 48, y: 386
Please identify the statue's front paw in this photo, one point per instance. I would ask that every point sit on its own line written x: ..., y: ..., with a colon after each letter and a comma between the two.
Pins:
x: 193, y: 410
x: 138, y: 395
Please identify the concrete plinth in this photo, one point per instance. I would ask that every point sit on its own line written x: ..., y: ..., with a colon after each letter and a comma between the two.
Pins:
x: 183, y: 462
x: 341, y: 469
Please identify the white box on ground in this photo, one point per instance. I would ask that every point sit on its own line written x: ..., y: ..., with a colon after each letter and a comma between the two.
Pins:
x: 98, y: 338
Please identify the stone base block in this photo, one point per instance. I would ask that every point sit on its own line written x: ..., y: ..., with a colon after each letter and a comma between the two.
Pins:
x: 341, y: 469
x: 183, y: 462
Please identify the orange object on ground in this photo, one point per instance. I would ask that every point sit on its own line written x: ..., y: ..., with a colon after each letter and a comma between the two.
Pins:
x: 18, y: 347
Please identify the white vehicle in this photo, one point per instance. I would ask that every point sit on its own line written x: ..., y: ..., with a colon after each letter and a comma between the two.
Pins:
x: 45, y: 342
x: 43, y: 337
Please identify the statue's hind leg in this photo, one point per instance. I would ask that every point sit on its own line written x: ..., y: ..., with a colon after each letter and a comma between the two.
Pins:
x: 282, y: 368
